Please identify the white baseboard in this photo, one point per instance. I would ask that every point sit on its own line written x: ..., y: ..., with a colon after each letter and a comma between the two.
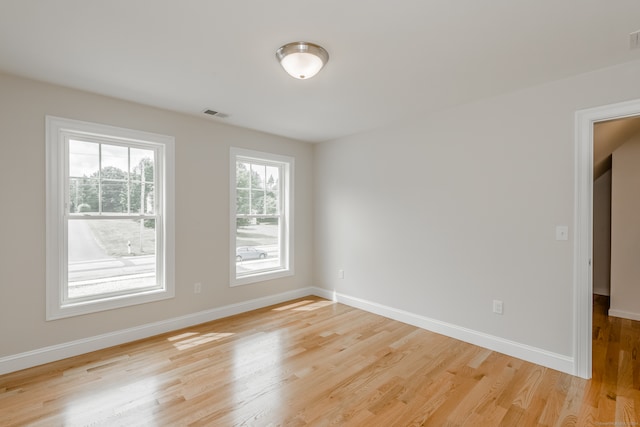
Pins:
x: 511, y: 348
x: 624, y: 314
x: 601, y: 291
x: 62, y: 351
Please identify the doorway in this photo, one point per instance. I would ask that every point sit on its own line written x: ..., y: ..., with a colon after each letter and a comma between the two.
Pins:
x: 585, y: 121
x: 619, y: 138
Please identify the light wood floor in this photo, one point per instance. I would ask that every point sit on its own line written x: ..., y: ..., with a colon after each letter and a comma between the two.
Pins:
x: 313, y: 362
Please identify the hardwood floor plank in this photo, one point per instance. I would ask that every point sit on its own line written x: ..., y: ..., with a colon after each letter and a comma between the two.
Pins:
x: 625, y: 412
x: 314, y: 362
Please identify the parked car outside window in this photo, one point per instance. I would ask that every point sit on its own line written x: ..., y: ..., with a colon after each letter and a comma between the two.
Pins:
x: 244, y: 253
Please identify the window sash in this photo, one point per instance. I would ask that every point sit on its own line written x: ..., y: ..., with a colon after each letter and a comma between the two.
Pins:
x: 158, y: 261
x: 250, y: 189
x: 100, y: 180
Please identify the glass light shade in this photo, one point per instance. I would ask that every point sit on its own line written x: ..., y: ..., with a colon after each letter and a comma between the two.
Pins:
x: 301, y: 65
x: 302, y: 60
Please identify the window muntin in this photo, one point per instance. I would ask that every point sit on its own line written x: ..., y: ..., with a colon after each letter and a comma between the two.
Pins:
x: 109, y: 221
x: 261, y: 216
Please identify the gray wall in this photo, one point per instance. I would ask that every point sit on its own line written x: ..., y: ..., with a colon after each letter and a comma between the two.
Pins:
x: 441, y: 214
x: 202, y: 212
x: 602, y: 234
x: 625, y: 231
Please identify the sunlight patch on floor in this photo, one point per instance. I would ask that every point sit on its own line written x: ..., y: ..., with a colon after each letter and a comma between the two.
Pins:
x: 316, y: 305
x: 193, y: 339
x: 305, y: 305
x: 113, y: 404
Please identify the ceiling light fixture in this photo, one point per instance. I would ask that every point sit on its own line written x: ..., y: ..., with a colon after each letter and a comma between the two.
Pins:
x: 302, y: 60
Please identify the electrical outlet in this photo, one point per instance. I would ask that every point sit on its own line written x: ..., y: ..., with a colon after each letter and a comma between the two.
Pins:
x: 197, y: 288
x: 497, y: 306
x: 340, y: 274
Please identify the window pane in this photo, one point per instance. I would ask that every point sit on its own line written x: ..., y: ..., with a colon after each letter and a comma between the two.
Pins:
x: 110, y: 256
x: 257, y: 245
x: 148, y: 198
x: 242, y: 202
x: 242, y: 175
x: 83, y: 195
x: 115, y: 160
x: 273, y: 178
x: 272, y: 204
x: 257, y: 202
x: 144, y: 193
x: 135, y: 188
x: 142, y: 164
x: 83, y: 159
x: 114, y: 196
x: 258, y: 176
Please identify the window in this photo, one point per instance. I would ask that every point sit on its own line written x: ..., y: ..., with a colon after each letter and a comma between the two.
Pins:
x: 109, y: 217
x: 261, y: 216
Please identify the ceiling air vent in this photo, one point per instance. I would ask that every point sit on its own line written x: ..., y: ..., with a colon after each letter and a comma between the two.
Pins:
x: 216, y: 114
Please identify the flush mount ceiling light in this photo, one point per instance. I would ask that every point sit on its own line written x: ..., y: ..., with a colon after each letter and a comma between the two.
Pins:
x: 302, y: 60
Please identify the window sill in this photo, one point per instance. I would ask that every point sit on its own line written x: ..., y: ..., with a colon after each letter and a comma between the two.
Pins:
x: 260, y: 277
x: 80, y: 308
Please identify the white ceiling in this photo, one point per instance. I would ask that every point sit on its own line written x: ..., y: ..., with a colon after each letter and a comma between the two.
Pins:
x: 388, y: 59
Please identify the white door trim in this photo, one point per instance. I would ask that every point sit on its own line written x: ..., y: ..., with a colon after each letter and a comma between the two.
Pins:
x: 583, y: 236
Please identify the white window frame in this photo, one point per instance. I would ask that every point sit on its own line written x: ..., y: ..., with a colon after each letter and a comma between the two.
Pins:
x: 286, y: 223
x: 58, y: 132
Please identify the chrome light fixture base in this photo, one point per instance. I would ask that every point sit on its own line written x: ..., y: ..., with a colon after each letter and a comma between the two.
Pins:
x: 302, y: 60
